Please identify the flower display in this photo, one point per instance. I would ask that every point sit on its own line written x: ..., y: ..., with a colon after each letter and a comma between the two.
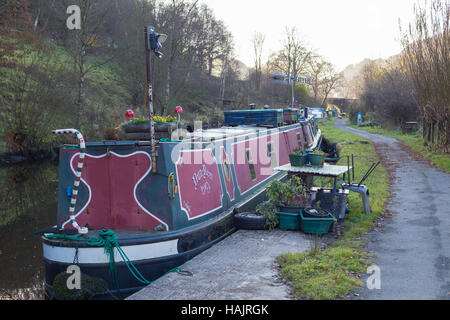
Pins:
x: 157, y: 119
x: 178, y: 109
x: 129, y: 114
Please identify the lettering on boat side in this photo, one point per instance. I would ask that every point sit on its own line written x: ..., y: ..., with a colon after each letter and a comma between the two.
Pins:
x: 201, y: 174
x: 240, y: 309
x: 198, y: 181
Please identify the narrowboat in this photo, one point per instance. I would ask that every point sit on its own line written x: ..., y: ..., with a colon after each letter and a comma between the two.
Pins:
x: 163, y: 210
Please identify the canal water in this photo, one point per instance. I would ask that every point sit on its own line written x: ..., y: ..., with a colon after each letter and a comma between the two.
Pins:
x: 28, y: 202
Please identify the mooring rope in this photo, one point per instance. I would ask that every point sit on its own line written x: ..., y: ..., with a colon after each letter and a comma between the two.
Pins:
x: 76, y: 182
x: 109, y: 240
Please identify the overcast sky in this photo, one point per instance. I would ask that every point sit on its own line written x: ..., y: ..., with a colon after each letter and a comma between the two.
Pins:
x: 343, y: 31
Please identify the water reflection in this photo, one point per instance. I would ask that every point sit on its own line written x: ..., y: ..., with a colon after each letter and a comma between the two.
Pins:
x: 28, y: 202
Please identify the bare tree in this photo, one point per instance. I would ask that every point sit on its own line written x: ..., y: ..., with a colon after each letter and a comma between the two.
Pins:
x: 316, y: 70
x: 258, y: 42
x: 293, y: 59
x: 84, y: 40
x: 427, y: 56
x: 31, y: 97
x: 180, y: 13
x: 388, y: 93
x: 328, y: 82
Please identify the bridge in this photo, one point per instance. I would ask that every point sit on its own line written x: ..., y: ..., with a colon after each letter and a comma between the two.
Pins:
x: 342, y: 103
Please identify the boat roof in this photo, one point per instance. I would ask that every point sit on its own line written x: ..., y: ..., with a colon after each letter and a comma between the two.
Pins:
x: 221, y: 133
x: 227, y: 132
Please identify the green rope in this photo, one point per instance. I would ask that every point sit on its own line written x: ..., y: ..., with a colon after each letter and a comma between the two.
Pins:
x: 108, y: 240
x: 168, y: 140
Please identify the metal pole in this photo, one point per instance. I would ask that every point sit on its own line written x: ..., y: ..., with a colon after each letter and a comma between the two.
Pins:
x: 150, y: 97
x: 348, y: 169
x: 368, y: 173
x: 293, y: 98
x: 353, y: 170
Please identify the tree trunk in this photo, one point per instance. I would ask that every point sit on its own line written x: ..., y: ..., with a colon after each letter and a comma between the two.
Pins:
x: 210, y: 63
x: 36, y: 21
x: 432, y: 133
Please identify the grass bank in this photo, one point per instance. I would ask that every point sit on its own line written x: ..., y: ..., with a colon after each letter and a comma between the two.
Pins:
x: 416, y: 143
x: 39, y: 93
x: 336, y: 270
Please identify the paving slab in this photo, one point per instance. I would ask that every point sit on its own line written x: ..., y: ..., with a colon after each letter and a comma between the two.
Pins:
x: 240, y: 267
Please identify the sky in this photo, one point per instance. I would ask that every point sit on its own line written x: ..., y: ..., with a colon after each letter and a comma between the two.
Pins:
x: 344, y: 32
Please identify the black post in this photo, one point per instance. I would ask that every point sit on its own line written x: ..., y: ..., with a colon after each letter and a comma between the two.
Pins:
x: 147, y: 31
x: 348, y: 169
x: 353, y: 170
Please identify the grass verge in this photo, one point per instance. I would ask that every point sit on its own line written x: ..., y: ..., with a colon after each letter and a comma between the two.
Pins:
x: 416, y: 143
x: 336, y: 270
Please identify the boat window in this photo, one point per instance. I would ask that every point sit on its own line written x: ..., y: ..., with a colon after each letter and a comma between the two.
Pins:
x: 304, y: 130
x: 251, y: 165
x: 272, y: 155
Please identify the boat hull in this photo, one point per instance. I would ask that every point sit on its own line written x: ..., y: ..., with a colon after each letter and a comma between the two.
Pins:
x: 174, y: 250
x: 163, y: 220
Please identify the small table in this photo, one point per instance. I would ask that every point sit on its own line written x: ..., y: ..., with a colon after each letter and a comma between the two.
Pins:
x: 327, y: 170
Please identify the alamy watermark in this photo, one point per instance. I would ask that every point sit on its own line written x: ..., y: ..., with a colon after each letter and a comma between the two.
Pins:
x: 374, y: 280
x: 73, y: 22
x: 74, y: 280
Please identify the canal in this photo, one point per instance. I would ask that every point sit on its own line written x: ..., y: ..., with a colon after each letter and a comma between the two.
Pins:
x: 28, y: 202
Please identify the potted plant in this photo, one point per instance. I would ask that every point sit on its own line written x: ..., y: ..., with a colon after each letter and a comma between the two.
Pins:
x: 290, y: 197
x: 142, y: 124
x: 269, y: 212
x: 297, y: 158
x: 317, y: 158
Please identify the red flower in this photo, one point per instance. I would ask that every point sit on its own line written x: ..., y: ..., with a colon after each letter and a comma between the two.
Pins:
x: 129, y: 113
x: 178, y: 109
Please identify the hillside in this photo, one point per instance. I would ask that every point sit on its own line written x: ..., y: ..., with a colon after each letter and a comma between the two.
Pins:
x: 352, y: 76
x: 38, y: 94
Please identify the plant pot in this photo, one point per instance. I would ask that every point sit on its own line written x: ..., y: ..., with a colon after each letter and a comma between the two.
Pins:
x: 317, y: 159
x: 288, y: 209
x: 289, y: 221
x: 332, y: 160
x: 316, y: 225
x: 297, y: 160
x: 130, y: 127
x: 315, y: 213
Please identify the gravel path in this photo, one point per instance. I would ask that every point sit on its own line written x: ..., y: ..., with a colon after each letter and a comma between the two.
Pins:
x: 412, y: 249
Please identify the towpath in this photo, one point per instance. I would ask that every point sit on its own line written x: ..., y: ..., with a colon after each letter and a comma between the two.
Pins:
x: 412, y: 249
x: 240, y: 267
